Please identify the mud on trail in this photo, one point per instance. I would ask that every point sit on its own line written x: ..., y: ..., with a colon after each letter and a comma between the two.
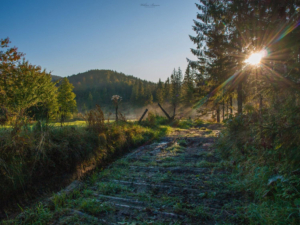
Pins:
x: 178, y: 180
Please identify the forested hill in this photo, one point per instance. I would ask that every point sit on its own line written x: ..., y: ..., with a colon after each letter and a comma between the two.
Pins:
x: 98, y: 86
x: 55, y: 78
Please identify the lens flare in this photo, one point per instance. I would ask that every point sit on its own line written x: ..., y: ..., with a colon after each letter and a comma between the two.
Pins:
x: 255, y: 58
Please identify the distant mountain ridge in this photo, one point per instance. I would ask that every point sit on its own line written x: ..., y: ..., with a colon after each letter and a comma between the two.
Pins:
x: 55, y: 78
x: 97, y: 86
x: 96, y: 78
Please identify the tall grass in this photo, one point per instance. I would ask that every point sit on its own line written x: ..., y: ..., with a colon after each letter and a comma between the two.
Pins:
x: 44, y: 151
x: 264, y: 151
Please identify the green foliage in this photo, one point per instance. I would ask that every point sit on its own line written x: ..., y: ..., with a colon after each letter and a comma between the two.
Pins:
x: 265, y: 154
x: 160, y: 92
x: 66, y: 99
x: 188, y: 86
x: 154, y: 120
x: 25, y: 89
x: 185, y: 124
x: 175, y: 90
x: 182, y: 143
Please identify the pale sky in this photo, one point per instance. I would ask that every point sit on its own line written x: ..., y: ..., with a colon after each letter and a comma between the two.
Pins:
x: 72, y: 36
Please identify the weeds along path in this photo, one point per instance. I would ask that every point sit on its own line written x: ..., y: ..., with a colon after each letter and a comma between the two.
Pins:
x: 178, y: 180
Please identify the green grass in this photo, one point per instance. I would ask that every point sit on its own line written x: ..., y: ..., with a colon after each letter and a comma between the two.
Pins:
x: 37, y: 153
x: 77, y: 123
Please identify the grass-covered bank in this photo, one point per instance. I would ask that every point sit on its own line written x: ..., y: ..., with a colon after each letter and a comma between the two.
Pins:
x: 44, y: 152
x: 264, y: 153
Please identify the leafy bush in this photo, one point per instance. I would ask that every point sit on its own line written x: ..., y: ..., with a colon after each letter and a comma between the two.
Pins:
x: 154, y: 120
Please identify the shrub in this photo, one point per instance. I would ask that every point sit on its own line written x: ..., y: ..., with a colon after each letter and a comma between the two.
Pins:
x: 154, y: 120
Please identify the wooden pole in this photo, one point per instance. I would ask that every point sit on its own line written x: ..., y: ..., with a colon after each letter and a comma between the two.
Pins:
x: 167, y: 115
x: 143, y: 115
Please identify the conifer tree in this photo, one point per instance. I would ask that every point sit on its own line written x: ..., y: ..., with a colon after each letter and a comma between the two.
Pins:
x: 160, y: 92
x: 188, y: 85
x: 227, y: 32
x: 212, y: 51
x: 167, y: 90
x: 66, y: 99
x: 141, y: 92
x: 134, y: 93
x: 149, y: 97
x: 176, y: 78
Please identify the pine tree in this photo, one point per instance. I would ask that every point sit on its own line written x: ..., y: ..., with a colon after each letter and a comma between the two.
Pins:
x: 227, y: 32
x: 176, y: 78
x: 167, y: 90
x: 141, y: 95
x: 149, y: 96
x: 66, y: 99
x: 212, y: 51
x: 188, y: 85
x: 160, y: 92
x: 134, y: 93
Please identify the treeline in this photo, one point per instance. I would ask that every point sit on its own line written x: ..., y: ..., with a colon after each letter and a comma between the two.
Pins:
x: 97, y: 86
x: 178, y: 89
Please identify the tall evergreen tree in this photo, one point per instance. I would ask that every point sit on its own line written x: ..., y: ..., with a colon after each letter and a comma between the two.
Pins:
x: 149, y: 96
x: 160, y: 92
x: 141, y: 92
x: 134, y: 93
x: 167, y: 90
x: 176, y: 79
x: 66, y: 99
x: 188, y: 85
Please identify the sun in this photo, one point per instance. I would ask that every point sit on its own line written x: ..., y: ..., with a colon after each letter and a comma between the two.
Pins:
x: 255, y: 58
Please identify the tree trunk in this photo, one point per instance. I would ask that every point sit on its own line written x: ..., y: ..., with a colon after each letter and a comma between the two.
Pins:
x: 117, y: 113
x: 227, y: 109
x: 62, y: 118
x: 240, y: 98
x: 218, y: 114
x: 230, y: 100
x: 174, y: 111
x: 47, y: 116
x: 260, y: 104
x: 223, y: 108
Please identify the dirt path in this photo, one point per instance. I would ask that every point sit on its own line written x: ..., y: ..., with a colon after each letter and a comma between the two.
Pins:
x: 178, y: 180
